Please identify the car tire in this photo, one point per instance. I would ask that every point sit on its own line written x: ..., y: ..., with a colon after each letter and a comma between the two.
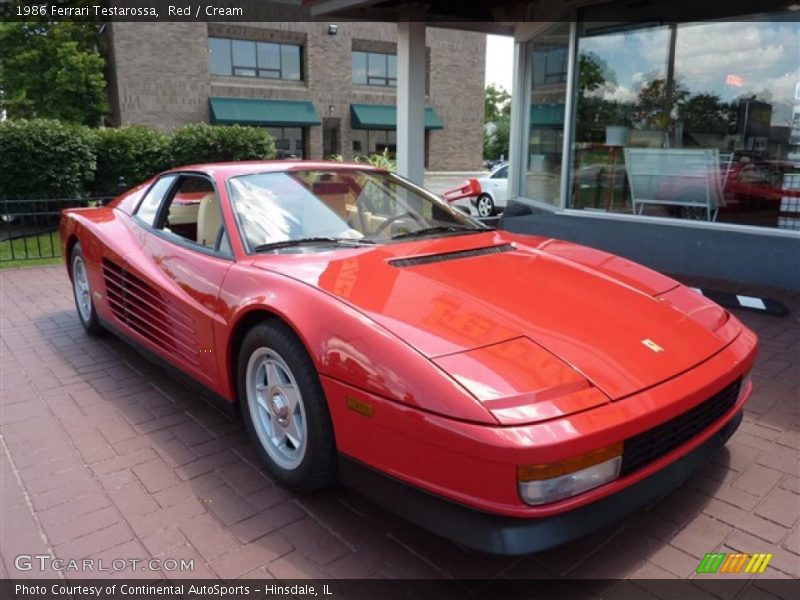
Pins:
x: 82, y: 292
x: 485, y: 206
x: 284, y: 408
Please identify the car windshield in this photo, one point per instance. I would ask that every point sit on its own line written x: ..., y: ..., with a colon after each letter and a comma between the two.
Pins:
x: 338, y: 207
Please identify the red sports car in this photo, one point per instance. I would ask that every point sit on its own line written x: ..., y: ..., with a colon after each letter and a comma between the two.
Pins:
x: 508, y: 392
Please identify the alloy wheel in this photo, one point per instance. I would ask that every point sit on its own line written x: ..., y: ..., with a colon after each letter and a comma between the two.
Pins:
x: 277, y: 408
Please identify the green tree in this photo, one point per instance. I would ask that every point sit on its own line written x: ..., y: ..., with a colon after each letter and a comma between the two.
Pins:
x: 656, y: 103
x: 594, y: 73
x: 52, y: 70
x: 495, y: 142
x: 497, y: 122
x: 497, y: 104
x: 708, y: 113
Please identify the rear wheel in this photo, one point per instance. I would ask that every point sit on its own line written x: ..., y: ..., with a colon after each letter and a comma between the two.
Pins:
x: 485, y: 206
x: 82, y: 292
x: 285, y: 409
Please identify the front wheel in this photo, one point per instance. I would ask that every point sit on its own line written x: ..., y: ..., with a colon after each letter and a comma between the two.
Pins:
x: 285, y: 409
x: 82, y: 292
x: 485, y: 206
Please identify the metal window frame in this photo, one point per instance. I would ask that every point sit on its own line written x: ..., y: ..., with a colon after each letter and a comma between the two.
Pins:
x: 257, y: 69
x: 520, y: 118
x: 569, y: 113
x: 390, y: 82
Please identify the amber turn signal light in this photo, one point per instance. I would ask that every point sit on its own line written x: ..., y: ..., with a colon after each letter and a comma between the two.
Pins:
x: 570, y: 465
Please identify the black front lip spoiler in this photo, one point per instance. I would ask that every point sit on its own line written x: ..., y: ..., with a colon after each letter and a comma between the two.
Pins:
x: 499, y: 534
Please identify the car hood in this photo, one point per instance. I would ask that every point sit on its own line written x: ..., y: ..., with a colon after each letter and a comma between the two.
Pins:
x: 449, y: 296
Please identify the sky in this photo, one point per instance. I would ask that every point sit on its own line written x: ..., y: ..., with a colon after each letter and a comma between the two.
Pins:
x: 499, y: 60
x: 759, y: 57
x: 728, y: 59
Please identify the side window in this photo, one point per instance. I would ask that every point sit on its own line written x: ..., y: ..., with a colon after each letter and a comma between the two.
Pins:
x: 194, y: 215
x: 148, y: 208
x: 501, y: 173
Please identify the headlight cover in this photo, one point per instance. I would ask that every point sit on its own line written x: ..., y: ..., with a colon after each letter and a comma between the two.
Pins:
x: 520, y: 382
x: 542, y: 484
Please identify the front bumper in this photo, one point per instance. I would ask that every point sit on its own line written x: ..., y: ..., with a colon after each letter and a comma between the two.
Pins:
x: 499, y: 534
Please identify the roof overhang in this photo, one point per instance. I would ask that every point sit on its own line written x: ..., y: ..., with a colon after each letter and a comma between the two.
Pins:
x: 489, y: 16
x: 504, y: 16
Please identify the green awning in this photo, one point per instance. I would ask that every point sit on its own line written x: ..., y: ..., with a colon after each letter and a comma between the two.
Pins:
x: 384, y: 116
x: 547, y: 115
x: 254, y: 111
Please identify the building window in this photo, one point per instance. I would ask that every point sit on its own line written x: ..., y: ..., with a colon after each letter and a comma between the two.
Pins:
x: 290, y: 142
x: 244, y: 58
x: 367, y: 142
x: 550, y: 66
x: 374, y: 68
x: 374, y: 141
x: 693, y: 121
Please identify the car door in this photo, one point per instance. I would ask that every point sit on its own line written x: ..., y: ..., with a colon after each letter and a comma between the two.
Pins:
x: 499, y: 181
x: 173, y: 285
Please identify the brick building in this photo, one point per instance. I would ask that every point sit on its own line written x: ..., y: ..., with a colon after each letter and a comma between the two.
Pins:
x: 321, y: 88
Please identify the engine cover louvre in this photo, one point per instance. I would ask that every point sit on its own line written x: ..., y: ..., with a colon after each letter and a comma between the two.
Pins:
x: 145, y: 311
x: 444, y: 256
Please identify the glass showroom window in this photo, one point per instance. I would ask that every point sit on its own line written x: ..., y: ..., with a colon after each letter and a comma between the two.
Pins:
x: 690, y: 121
x: 375, y: 68
x: 245, y: 58
x: 547, y: 56
x: 289, y: 141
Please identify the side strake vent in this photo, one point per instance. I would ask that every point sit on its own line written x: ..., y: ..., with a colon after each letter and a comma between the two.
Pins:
x: 143, y: 309
x: 434, y: 258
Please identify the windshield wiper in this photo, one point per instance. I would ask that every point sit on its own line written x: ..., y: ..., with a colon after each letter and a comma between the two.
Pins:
x: 441, y: 229
x: 321, y: 240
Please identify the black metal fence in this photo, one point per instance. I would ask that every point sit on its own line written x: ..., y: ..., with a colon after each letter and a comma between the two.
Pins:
x: 29, y: 228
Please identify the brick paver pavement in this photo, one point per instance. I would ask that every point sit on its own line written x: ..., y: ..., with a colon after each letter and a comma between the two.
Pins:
x: 104, y: 455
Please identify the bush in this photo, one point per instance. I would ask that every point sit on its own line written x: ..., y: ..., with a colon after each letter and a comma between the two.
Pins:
x: 133, y: 153
x: 49, y: 159
x: 45, y: 159
x: 219, y: 143
x: 383, y: 160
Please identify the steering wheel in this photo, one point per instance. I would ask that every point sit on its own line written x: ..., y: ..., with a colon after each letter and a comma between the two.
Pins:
x: 393, y: 219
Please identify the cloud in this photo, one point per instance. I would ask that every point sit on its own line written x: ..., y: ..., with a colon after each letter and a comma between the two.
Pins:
x: 706, y: 53
x: 618, y: 93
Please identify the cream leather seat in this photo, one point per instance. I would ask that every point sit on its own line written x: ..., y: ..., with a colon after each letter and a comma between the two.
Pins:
x: 209, y: 220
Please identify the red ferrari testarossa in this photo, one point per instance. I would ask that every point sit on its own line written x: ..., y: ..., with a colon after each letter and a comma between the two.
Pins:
x: 508, y: 392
